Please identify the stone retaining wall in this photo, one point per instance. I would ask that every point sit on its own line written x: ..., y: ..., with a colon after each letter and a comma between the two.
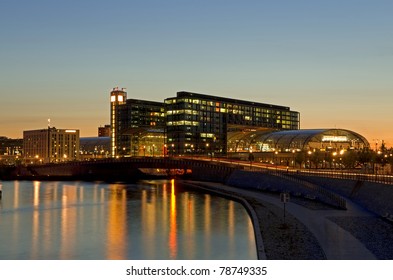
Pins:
x: 375, y: 197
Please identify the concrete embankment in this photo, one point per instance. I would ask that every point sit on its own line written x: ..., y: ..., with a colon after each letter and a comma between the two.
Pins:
x: 365, y: 231
x: 280, y: 182
x: 375, y: 197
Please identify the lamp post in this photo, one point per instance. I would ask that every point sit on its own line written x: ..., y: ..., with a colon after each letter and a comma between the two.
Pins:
x: 309, y: 159
x: 334, y: 159
x: 275, y: 157
x: 293, y: 159
x: 144, y: 151
x: 251, y: 158
x: 341, y: 155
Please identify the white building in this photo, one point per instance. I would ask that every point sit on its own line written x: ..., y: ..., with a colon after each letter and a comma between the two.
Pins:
x: 51, y: 145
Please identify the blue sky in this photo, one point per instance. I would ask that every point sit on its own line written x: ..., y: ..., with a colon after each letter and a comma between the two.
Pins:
x: 330, y: 60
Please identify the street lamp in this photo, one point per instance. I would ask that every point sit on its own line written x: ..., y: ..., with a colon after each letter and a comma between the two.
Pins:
x: 341, y: 154
x: 309, y: 159
x: 293, y: 158
x: 250, y: 158
x: 334, y: 163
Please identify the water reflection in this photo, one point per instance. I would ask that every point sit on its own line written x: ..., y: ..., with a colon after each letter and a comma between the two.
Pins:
x: 172, y: 231
x: 117, y: 222
x: 151, y: 220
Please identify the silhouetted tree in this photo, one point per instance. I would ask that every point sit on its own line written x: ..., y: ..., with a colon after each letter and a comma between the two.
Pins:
x: 350, y: 159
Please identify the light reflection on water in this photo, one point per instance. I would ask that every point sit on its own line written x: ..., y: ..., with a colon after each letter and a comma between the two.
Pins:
x: 150, y: 220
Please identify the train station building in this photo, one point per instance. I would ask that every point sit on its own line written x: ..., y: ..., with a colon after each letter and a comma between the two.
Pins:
x: 206, y: 125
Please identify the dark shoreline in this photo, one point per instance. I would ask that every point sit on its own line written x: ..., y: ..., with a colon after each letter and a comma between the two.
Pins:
x: 86, y: 178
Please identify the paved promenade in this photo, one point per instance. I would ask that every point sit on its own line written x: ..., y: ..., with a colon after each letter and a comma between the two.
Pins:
x: 335, y: 242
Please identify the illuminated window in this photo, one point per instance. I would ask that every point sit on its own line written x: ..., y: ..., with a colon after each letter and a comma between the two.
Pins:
x: 331, y: 138
x: 207, y: 135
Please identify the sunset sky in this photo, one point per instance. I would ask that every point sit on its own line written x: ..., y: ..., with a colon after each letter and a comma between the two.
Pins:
x: 330, y: 60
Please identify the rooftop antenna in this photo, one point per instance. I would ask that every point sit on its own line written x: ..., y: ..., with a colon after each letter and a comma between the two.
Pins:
x: 48, y: 123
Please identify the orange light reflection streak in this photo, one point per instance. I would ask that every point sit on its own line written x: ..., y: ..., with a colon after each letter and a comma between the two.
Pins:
x: 173, y: 230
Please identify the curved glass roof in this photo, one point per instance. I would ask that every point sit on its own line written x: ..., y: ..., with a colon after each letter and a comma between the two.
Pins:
x: 296, y: 139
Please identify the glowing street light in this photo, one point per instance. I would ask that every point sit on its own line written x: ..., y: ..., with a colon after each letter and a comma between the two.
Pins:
x: 293, y: 158
x: 334, y: 160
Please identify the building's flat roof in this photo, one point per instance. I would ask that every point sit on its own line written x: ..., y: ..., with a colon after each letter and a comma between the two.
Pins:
x: 227, y: 100
x: 148, y: 102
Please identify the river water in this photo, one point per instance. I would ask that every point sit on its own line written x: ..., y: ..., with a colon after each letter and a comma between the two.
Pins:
x: 100, y: 221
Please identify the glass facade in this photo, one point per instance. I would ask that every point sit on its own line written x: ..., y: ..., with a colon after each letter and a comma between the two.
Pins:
x: 190, y: 123
x: 297, y: 140
x: 137, y: 126
x: 199, y: 124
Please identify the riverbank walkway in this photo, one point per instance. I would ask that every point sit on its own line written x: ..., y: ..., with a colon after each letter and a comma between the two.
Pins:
x: 336, y: 242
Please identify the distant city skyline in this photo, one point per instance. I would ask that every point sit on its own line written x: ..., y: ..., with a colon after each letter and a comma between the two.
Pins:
x: 332, y: 61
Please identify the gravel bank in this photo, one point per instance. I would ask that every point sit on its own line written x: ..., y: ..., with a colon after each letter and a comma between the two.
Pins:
x: 289, y: 240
